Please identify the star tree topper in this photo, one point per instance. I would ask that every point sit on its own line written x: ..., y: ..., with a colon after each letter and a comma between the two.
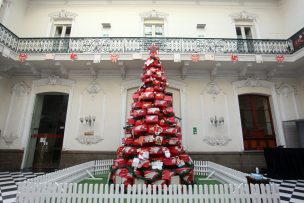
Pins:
x: 153, y: 48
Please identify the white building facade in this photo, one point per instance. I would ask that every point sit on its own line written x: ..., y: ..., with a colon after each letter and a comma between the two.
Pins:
x: 236, y: 61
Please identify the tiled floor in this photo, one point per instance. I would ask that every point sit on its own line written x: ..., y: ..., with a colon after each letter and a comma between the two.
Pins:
x: 290, y: 190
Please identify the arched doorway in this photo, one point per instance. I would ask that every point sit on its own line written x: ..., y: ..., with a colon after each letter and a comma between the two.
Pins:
x: 47, y: 131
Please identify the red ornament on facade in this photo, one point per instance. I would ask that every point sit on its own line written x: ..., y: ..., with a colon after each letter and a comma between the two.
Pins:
x: 280, y: 58
x: 22, y: 57
x: 114, y: 58
x: 195, y: 57
x: 234, y: 58
x: 73, y: 56
x: 153, y: 49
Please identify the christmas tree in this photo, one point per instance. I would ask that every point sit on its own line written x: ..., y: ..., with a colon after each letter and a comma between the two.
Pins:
x: 152, y: 152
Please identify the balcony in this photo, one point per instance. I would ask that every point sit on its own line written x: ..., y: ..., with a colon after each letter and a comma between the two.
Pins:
x: 93, y: 45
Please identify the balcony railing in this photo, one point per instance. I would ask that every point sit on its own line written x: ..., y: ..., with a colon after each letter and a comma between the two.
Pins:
x: 140, y: 44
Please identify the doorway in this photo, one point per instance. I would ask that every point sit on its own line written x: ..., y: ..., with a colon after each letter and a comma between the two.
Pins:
x: 47, y: 131
x: 257, y: 123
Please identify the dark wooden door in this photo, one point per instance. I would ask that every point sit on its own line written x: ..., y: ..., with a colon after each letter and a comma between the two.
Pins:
x: 257, y: 124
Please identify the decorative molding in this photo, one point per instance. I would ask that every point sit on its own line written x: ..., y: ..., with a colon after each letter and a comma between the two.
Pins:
x: 217, y: 140
x: 153, y: 14
x: 9, y: 139
x: 88, y: 140
x: 285, y: 89
x: 63, y: 14
x: 244, y: 15
x: 93, y: 88
x: 253, y: 82
x: 54, y: 80
x: 21, y: 88
x: 213, y: 90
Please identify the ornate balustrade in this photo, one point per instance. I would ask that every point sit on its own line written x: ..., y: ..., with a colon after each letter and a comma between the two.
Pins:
x: 140, y: 44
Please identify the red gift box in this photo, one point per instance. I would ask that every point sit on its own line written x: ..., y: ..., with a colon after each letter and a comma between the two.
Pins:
x: 169, y: 99
x: 155, y: 150
x: 144, y: 140
x: 168, y: 111
x: 169, y: 131
x: 135, y: 96
x: 185, y: 157
x: 139, y: 129
x: 159, y: 140
x: 171, y: 161
x: 120, y: 162
x: 158, y: 88
x: 176, y: 150
x: 146, y: 105
x: 149, y: 89
x: 179, y: 135
x: 160, y: 103
x: 167, y: 174
x: 139, y: 113
x: 174, y: 141
x: 153, y: 111
x: 162, y: 122
x: 144, y: 163
x: 159, y: 95
x: 170, y: 120
x: 150, y: 119
x: 147, y: 95
x: 128, y: 141
x: 136, y: 105
x: 189, y: 178
x: 131, y: 121
x: 139, y: 122
x: 130, y: 151
x: 155, y: 129
x: 183, y: 171
x: 119, y: 151
x: 151, y: 175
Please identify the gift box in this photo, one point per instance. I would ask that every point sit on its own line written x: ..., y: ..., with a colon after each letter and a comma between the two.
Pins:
x: 131, y: 121
x: 135, y: 96
x: 139, y: 129
x: 151, y: 175
x: 153, y: 111
x: 136, y: 105
x: 147, y: 95
x: 169, y: 131
x: 139, y: 113
x: 183, y: 171
x: 120, y: 162
x: 139, y: 122
x: 170, y: 120
x: 151, y: 119
x: 171, y: 161
x: 144, y: 163
x: 159, y: 96
x: 169, y: 99
x: 174, y: 141
x: 179, y: 135
x: 156, y: 83
x: 130, y: 151
x: 168, y: 111
x: 176, y: 150
x: 127, y: 141
x: 155, y: 129
x: 160, y: 103
x: 155, y: 150
x: 185, y: 157
x: 144, y: 140
x: 188, y: 179
x: 119, y: 151
x: 167, y: 174
x: 147, y: 105
x: 159, y: 140
x: 158, y: 88
x: 162, y: 122
x: 149, y: 89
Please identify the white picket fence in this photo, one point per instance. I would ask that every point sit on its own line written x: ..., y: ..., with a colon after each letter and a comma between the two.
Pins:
x: 61, y: 186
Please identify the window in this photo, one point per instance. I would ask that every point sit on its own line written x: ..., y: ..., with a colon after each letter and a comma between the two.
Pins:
x: 245, y: 30
x: 62, y: 30
x: 154, y: 28
x: 257, y: 124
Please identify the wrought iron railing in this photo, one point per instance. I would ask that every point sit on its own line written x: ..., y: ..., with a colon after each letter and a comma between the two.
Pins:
x: 140, y: 44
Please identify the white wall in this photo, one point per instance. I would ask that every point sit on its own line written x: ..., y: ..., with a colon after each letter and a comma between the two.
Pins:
x: 126, y: 21
x: 107, y: 107
x: 5, y: 92
x: 292, y: 16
